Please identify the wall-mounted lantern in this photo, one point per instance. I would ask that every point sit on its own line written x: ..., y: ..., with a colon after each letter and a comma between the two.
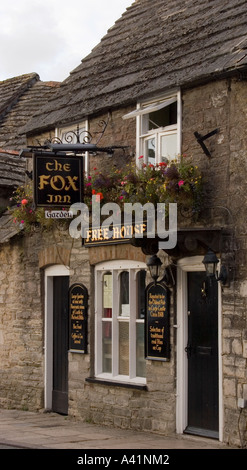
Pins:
x: 154, y: 264
x: 210, y: 262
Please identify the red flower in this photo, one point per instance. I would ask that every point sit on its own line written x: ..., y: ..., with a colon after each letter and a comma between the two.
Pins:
x: 99, y: 196
x: 162, y: 164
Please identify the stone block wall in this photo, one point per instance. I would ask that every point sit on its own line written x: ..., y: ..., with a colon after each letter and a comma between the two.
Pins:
x: 223, y: 105
x: 21, y: 328
x: 23, y: 261
x: 219, y: 105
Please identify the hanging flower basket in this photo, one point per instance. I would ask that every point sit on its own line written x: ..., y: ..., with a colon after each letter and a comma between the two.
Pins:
x: 175, y: 182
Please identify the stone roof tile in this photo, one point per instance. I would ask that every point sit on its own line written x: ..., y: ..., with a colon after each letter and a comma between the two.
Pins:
x: 152, y: 48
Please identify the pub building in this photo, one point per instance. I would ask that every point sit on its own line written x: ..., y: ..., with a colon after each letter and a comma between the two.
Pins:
x: 130, y: 331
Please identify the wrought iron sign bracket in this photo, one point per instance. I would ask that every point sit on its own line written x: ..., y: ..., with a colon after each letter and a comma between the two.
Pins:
x: 76, y: 142
x: 200, y: 139
x: 76, y: 149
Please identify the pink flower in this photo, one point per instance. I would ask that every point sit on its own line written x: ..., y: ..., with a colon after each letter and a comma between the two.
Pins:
x: 180, y: 183
x: 140, y: 157
x: 120, y: 197
x: 24, y: 202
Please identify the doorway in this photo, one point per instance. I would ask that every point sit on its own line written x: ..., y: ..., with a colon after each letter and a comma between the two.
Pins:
x: 56, y: 339
x: 199, y: 373
x: 202, y: 354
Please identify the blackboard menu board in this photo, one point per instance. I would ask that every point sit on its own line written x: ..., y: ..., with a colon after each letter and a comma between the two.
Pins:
x: 157, y: 324
x: 78, y: 306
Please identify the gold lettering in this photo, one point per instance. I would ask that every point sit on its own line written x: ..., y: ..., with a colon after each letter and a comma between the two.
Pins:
x: 56, y: 166
x: 88, y: 234
x: 43, y: 180
x: 58, y: 198
x: 71, y: 183
x: 115, y: 232
x: 48, y: 166
x: 94, y: 234
x: 122, y: 232
x: 105, y: 234
x: 67, y: 198
x: 56, y: 179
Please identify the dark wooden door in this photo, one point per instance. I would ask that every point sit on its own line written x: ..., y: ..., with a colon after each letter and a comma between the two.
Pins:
x: 60, y: 344
x: 202, y: 352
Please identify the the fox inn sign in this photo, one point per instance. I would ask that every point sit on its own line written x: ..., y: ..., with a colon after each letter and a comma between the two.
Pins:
x: 58, y: 180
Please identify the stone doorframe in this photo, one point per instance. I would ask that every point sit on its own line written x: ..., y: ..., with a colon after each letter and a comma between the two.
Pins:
x: 49, y: 273
x: 184, y: 266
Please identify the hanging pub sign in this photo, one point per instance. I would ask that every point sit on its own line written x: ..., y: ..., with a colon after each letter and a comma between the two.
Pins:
x: 157, y: 322
x: 58, y: 180
x: 78, y: 306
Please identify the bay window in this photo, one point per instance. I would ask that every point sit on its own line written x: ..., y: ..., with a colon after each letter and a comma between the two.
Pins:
x: 119, y: 325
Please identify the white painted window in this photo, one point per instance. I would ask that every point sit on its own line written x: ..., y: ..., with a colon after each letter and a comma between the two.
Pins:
x: 119, y: 325
x: 70, y: 134
x: 158, y: 129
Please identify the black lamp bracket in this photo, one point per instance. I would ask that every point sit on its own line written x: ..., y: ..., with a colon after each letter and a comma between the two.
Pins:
x: 200, y: 139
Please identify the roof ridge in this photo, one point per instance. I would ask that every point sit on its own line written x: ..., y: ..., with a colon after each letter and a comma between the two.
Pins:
x: 33, y: 78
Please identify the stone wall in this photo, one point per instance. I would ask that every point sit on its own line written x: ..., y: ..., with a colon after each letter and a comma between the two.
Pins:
x: 219, y: 105
x: 21, y: 327
x: 223, y: 105
x: 23, y: 261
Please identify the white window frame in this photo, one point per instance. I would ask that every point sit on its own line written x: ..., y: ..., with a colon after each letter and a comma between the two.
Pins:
x: 146, y: 107
x: 83, y: 126
x: 116, y: 267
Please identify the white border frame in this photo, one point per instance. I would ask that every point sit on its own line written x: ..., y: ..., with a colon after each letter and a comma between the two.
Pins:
x: 186, y: 265
x: 50, y: 272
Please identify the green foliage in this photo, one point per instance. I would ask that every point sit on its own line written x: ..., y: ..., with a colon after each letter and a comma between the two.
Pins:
x: 177, y: 181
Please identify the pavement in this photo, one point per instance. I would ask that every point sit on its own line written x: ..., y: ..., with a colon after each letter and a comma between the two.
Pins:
x: 31, y: 430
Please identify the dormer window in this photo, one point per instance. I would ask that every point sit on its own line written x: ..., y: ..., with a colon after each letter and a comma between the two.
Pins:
x: 158, y: 129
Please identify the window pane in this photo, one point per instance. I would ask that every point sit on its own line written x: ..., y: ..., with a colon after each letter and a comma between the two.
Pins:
x: 150, y: 150
x: 107, y: 346
x: 140, y: 355
x: 141, y: 286
x: 107, y: 295
x: 163, y: 117
x: 168, y: 147
x: 124, y: 348
x: 124, y: 294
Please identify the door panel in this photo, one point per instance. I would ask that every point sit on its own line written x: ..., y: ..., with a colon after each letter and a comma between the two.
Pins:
x: 60, y: 344
x: 202, y: 352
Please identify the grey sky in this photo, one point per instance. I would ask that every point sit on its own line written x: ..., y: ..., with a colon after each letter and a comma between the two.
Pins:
x: 51, y: 37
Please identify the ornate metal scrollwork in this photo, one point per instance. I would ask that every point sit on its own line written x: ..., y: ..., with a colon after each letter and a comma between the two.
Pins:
x: 80, y: 136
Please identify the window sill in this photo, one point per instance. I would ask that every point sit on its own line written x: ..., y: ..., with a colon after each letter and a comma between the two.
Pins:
x: 116, y: 384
